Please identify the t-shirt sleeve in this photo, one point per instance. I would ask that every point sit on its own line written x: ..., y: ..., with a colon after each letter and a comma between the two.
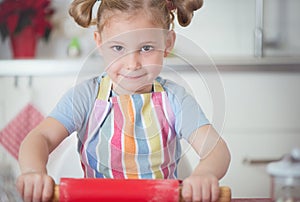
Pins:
x: 188, y: 113
x: 73, y: 108
x: 63, y: 112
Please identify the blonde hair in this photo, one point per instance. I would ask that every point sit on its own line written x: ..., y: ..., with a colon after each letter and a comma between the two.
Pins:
x: 162, y: 12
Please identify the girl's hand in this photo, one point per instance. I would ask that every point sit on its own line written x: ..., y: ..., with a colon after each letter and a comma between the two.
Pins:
x: 35, y: 187
x: 204, y: 188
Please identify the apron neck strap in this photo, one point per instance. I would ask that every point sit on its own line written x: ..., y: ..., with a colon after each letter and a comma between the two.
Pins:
x: 157, y: 87
x: 106, y: 84
x: 104, y: 88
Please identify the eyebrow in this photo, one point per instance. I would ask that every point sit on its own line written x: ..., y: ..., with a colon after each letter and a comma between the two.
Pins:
x: 122, y: 43
x: 149, y: 42
x: 114, y: 42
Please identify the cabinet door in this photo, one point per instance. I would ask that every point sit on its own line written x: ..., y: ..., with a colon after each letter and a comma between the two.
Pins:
x: 262, y: 122
x: 252, y: 180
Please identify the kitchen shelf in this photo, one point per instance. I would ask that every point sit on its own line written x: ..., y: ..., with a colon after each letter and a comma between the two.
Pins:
x: 44, y: 67
x: 72, y: 67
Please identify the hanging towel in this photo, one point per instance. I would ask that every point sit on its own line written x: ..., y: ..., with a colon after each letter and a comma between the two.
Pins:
x: 15, y: 131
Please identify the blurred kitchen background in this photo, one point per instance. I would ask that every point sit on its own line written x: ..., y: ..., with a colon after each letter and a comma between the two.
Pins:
x: 255, y: 47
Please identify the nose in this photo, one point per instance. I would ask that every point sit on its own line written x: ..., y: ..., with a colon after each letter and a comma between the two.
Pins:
x: 133, y: 61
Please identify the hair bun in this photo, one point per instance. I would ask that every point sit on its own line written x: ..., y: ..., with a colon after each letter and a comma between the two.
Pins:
x: 185, y: 10
x: 81, y: 11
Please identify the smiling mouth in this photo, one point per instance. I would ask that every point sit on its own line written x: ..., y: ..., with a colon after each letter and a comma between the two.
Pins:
x: 127, y: 76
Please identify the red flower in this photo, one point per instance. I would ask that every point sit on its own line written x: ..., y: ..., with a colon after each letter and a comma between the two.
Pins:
x: 15, y: 15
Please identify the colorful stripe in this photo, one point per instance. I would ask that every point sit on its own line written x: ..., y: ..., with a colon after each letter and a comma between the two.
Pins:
x: 133, y: 137
x: 105, y: 138
x: 172, y: 139
x: 128, y: 137
x: 152, y: 130
x: 116, y: 144
x: 89, y: 143
x: 103, y: 92
x: 142, y: 143
x: 157, y: 100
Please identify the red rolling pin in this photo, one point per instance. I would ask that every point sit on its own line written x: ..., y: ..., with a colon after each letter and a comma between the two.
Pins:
x: 114, y: 190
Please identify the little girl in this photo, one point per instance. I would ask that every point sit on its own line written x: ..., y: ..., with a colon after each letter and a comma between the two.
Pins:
x: 128, y: 120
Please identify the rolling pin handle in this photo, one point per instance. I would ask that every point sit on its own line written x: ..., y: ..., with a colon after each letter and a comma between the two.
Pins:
x: 56, y: 194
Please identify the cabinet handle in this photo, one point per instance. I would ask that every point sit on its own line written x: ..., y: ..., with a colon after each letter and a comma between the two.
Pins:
x: 249, y: 161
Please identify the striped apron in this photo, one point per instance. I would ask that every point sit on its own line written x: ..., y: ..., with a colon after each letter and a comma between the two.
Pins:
x: 130, y: 136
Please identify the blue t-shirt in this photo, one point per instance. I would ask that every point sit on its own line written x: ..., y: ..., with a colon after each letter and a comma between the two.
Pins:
x: 74, y: 108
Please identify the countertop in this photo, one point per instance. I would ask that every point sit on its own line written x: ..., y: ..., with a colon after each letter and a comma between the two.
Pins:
x: 61, y: 67
x: 251, y: 200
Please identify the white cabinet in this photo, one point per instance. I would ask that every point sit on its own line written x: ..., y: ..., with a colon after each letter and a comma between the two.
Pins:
x: 252, y: 180
x: 262, y: 122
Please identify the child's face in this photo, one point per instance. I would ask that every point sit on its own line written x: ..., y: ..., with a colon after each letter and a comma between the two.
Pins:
x: 133, y: 50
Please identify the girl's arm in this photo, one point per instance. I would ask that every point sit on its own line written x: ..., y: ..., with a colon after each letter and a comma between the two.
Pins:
x: 34, y: 184
x: 202, y: 184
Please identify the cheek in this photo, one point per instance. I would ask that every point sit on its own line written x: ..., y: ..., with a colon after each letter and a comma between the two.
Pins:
x: 113, y: 69
x: 112, y: 64
x: 154, y: 68
x: 109, y: 58
x: 155, y: 58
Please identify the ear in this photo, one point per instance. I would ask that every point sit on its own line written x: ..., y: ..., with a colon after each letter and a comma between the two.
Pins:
x: 98, y: 40
x: 170, y: 42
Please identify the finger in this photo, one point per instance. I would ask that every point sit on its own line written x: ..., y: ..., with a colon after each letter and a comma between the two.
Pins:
x: 37, y: 191
x: 48, y: 189
x: 28, y: 191
x: 20, y: 186
x: 187, y: 192
x: 215, y: 192
x: 206, y: 191
x: 197, y: 192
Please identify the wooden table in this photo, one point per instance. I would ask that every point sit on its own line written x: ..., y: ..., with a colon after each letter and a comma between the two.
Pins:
x: 251, y: 200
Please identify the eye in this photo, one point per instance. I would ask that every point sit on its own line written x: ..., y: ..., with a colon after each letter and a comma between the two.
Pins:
x: 147, y: 48
x: 118, y: 48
